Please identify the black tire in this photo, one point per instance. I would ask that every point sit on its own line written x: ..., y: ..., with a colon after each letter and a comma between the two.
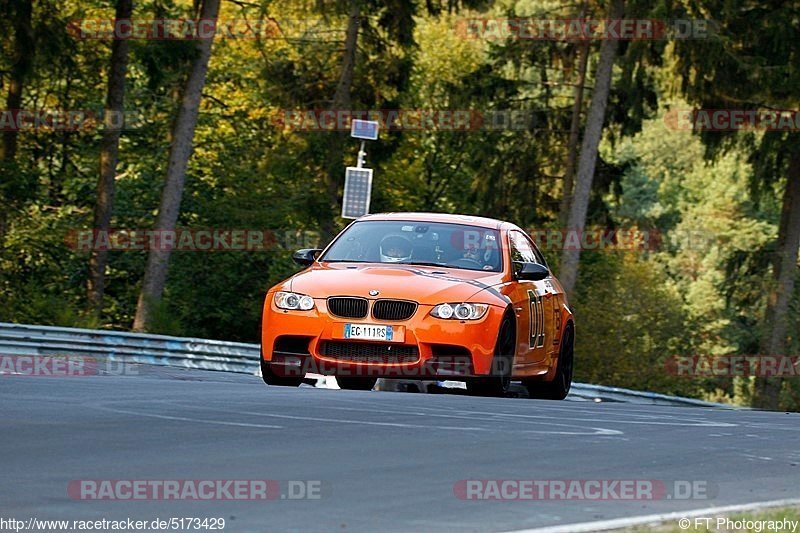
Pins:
x: 498, y: 382
x: 270, y: 378
x: 559, y: 387
x: 351, y: 383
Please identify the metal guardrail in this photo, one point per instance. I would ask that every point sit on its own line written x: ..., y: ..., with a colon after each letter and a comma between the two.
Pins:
x: 205, y: 354
x: 20, y: 339
x: 615, y: 394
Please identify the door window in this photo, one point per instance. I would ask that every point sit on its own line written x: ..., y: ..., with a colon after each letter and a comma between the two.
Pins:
x: 521, y: 248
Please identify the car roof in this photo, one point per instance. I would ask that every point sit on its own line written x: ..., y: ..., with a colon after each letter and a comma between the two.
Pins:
x: 468, y: 220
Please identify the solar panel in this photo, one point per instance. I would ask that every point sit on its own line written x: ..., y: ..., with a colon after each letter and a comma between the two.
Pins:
x: 364, y: 129
x: 357, y: 192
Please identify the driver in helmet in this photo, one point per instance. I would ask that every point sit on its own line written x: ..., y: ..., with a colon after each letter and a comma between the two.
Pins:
x: 472, y: 253
x: 395, y: 249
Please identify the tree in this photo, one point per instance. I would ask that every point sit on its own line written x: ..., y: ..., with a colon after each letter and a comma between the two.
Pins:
x: 574, y: 129
x: 341, y: 102
x: 155, y: 276
x: 396, y: 19
x: 109, y: 155
x: 784, y: 269
x: 568, y: 273
x: 754, y: 66
x: 21, y: 12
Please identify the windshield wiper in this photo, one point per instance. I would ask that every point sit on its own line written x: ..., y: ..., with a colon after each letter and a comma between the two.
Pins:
x: 421, y: 263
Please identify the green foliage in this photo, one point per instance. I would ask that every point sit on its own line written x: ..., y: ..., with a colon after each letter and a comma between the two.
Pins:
x: 630, y: 324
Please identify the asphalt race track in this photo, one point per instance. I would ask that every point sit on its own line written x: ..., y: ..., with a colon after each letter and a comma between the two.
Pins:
x: 384, y: 461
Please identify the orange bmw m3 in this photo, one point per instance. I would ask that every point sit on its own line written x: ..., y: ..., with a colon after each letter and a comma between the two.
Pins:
x: 422, y: 296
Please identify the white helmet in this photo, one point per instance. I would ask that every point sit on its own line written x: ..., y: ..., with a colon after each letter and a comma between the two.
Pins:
x: 395, y: 248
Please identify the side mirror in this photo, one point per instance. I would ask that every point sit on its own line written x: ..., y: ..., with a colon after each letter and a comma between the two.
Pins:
x: 533, y: 272
x: 306, y: 256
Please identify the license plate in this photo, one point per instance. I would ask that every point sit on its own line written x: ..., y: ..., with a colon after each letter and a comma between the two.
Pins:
x: 370, y: 332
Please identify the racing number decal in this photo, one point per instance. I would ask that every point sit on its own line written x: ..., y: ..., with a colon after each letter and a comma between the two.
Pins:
x: 557, y: 323
x: 536, y: 323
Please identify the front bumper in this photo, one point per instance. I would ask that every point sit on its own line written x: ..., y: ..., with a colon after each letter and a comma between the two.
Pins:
x: 300, y: 342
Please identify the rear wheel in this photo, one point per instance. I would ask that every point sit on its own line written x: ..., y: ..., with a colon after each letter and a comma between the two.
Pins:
x: 351, y: 383
x: 499, y: 380
x: 559, y: 387
x: 270, y: 378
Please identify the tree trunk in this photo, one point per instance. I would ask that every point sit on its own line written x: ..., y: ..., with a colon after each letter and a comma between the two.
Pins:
x: 570, y: 258
x: 155, y: 275
x: 20, y: 67
x: 784, y: 272
x: 109, y: 152
x: 574, y: 132
x: 341, y: 101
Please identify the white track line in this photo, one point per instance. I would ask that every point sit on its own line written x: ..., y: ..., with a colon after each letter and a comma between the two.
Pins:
x: 187, y: 419
x: 595, y: 430
x: 617, y: 523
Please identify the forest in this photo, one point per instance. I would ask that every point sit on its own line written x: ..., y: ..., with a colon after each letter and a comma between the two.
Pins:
x: 651, y: 149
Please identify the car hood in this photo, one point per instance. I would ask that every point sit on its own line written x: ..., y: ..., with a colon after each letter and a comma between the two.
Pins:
x: 427, y: 285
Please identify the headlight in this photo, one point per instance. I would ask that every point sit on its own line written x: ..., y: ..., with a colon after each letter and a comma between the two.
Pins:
x: 460, y: 311
x: 293, y: 301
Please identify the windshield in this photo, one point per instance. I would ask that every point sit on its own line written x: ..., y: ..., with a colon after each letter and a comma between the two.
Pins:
x: 418, y: 243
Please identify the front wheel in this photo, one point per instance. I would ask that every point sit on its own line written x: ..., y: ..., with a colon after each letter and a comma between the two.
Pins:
x: 351, y: 383
x: 270, y: 378
x: 559, y: 387
x: 498, y: 382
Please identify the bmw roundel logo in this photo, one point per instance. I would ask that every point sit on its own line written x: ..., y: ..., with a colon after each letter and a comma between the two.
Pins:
x: 374, y: 292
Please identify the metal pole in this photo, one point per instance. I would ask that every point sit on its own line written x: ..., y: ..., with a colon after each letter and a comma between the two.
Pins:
x: 361, y: 155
